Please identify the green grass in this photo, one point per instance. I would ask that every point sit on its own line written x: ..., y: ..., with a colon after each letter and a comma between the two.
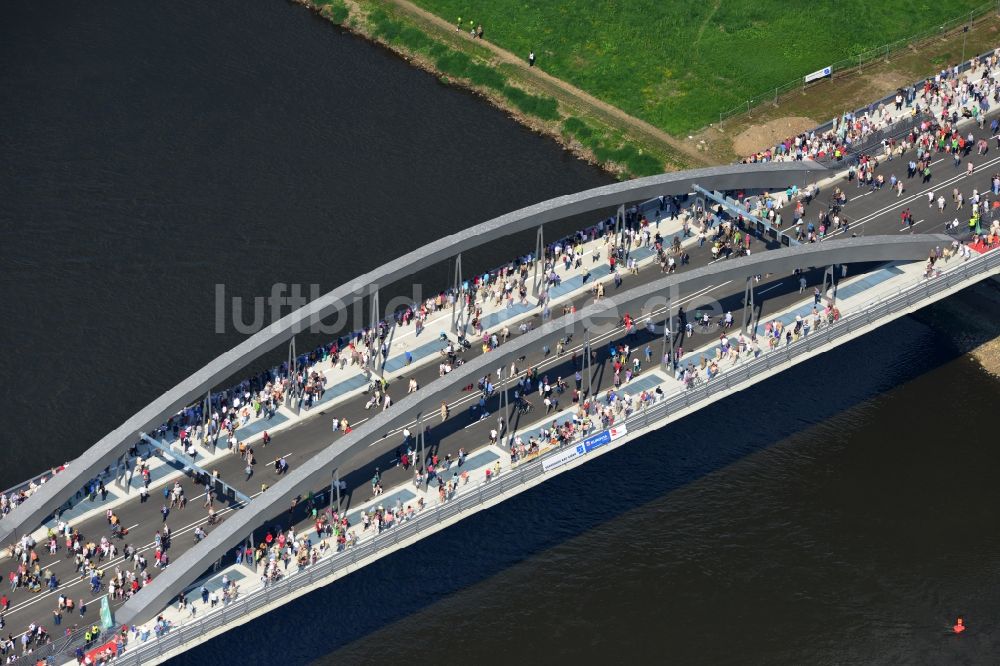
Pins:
x: 609, y: 147
x: 679, y: 63
x: 541, y: 106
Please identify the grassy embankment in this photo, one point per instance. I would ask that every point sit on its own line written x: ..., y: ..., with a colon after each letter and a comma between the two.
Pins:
x: 460, y: 59
x: 679, y: 64
x: 666, y: 66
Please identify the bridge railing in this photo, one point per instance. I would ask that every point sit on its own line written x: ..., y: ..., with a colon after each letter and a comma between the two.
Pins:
x: 873, y: 142
x: 736, y: 377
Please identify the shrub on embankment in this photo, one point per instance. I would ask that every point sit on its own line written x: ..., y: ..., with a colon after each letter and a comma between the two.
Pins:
x: 626, y: 155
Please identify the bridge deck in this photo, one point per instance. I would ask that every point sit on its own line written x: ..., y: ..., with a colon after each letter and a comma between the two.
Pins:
x: 870, y: 212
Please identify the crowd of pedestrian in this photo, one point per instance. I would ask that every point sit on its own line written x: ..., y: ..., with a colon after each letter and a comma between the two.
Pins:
x: 949, y: 96
x: 259, y: 396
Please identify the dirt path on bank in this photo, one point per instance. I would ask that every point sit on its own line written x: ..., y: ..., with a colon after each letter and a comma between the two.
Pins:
x: 561, y: 90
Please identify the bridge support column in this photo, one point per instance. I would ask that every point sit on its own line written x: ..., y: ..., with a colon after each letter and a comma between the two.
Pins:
x: 421, y: 446
x: 668, y: 325
x: 205, y: 420
x: 458, y: 310
x: 292, y: 361
x: 830, y: 273
x: 536, y: 284
x: 375, y: 359
x: 249, y: 560
x: 335, y: 490
x: 118, y: 471
x: 619, y: 225
x: 128, y: 481
x: 748, y: 303
x: 504, y: 408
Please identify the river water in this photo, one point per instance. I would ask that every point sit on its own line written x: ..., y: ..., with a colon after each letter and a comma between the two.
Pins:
x: 840, y: 513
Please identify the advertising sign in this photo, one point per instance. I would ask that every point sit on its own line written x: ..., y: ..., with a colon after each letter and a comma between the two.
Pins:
x: 587, y: 445
x: 818, y: 74
x: 617, y: 431
x: 597, y: 441
x: 563, y: 457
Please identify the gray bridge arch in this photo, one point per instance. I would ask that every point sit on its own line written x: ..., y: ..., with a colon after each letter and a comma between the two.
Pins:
x: 367, y: 439
x: 50, y: 495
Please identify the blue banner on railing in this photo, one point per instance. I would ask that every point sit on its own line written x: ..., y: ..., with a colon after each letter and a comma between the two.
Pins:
x: 597, y: 441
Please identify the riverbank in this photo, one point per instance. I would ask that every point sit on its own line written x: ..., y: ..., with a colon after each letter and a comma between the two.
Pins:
x: 619, y: 137
x: 971, y: 319
x: 594, y: 131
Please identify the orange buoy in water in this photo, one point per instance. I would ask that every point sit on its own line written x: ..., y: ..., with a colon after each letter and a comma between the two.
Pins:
x: 959, y: 627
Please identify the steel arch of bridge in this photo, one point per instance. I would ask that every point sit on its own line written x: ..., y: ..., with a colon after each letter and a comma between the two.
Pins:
x: 365, y: 440
x: 109, y: 449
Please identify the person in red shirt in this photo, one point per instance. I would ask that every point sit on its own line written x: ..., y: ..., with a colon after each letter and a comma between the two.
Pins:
x: 959, y: 626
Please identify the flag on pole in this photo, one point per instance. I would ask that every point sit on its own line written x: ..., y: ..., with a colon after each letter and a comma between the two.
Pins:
x: 107, y: 618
